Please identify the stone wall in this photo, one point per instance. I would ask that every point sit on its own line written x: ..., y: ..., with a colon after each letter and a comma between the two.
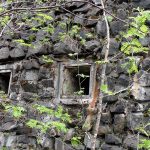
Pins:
x: 32, y: 78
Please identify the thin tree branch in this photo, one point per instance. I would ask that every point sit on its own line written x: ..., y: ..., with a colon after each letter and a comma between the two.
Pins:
x: 39, y: 9
x: 102, y: 81
x: 6, y: 25
x: 77, y: 15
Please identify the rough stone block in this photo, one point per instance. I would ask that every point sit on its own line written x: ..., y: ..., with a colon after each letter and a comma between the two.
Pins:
x: 88, y: 139
x: 131, y: 142
x: 119, y: 107
x: 141, y: 93
x: 44, y: 73
x: 110, y: 147
x: 119, y: 123
x: 29, y: 86
x: 2, y: 140
x: 114, y: 47
x: 91, y: 45
x: 104, y: 129
x: 145, y: 64
x: 38, y: 49
x: 16, y: 53
x: 113, y: 139
x: 59, y: 144
x: 29, y: 64
x: 46, y: 92
x: 116, y: 27
x: 8, y: 126
x: 145, y: 41
x: 31, y: 75
x: 4, y: 53
x: 47, y: 83
x: 101, y: 28
x: 27, y: 96
x: 11, y: 141
x: 134, y: 120
x: 48, y: 143
x: 144, y: 79
x: 79, y: 20
x: 106, y: 118
x: 65, y: 47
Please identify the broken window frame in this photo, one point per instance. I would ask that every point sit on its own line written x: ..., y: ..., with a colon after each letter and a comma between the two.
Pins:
x: 83, y: 99
x: 8, y: 68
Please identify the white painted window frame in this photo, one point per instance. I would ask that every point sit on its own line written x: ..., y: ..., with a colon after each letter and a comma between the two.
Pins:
x: 85, y: 99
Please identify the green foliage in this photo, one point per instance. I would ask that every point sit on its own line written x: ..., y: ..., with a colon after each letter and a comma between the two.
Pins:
x: 80, y: 92
x: 47, y: 59
x: 23, y: 43
x: 142, y: 130
x: 137, y: 30
x: 144, y: 143
x: 104, y: 89
x: 89, y: 35
x: 45, y: 17
x: 60, y: 125
x: 101, y: 62
x: 3, y: 95
x: 131, y: 65
x: 134, y: 46
x: 83, y: 75
x: 109, y: 18
x: 16, y: 111
x: 71, y: 34
x: 75, y: 141
x: 43, y: 109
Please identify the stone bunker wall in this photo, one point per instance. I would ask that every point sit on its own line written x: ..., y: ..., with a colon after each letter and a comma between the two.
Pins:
x: 30, y: 77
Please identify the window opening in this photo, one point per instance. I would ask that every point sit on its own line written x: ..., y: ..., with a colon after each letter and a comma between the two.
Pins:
x: 5, y: 81
x: 76, y: 78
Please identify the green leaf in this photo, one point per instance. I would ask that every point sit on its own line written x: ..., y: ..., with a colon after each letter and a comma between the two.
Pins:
x: 104, y: 87
x: 109, y: 18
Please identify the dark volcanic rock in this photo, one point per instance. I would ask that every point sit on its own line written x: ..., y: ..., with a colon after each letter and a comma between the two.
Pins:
x: 47, y: 83
x: 29, y: 86
x: 119, y: 123
x: 131, y: 142
x: 119, y: 107
x: 145, y: 64
x: 27, y: 96
x: 65, y: 48
x: 29, y: 64
x: 110, y: 147
x: 134, y: 120
x: 101, y: 28
x: 114, y: 47
x: 83, y: 9
x: 145, y: 41
x: 116, y: 27
x: 112, y: 139
x: 8, y: 126
x: 79, y: 19
x: 104, y: 130
x: 91, y: 45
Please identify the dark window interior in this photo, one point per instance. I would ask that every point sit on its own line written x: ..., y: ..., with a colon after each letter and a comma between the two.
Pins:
x: 4, y: 81
x: 73, y: 80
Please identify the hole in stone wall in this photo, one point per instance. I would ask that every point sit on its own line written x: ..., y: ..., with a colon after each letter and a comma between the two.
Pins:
x: 76, y: 78
x: 4, y: 81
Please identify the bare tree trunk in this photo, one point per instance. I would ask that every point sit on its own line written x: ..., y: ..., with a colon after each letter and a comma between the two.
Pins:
x: 102, y: 81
